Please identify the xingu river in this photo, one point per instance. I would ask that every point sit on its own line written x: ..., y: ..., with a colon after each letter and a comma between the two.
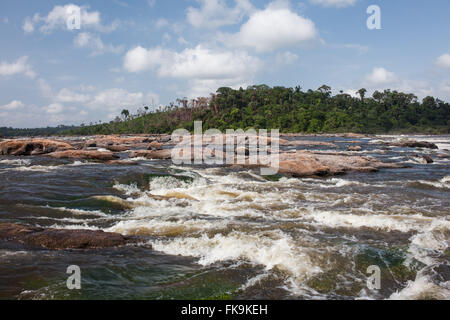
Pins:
x: 223, y: 233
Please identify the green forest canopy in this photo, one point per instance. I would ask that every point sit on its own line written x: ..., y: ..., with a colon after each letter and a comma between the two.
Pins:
x: 287, y: 109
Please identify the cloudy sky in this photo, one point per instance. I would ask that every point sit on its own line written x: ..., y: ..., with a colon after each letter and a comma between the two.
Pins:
x: 127, y: 54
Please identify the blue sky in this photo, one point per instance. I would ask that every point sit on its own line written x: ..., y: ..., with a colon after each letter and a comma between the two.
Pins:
x: 127, y: 54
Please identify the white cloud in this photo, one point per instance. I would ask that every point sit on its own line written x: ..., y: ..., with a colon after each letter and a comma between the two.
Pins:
x: 114, y: 100
x: 380, y: 76
x: 203, y: 63
x: 151, y: 3
x: 273, y: 28
x: 140, y: 59
x: 443, y: 61
x: 200, y: 66
x: 13, y: 105
x: 216, y: 13
x: 20, y: 66
x: 66, y: 95
x: 60, y: 15
x: 28, y: 26
x: 334, y: 3
x: 95, y: 43
x: 54, y: 108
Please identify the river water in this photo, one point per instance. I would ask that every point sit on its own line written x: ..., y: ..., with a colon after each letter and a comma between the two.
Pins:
x: 221, y: 233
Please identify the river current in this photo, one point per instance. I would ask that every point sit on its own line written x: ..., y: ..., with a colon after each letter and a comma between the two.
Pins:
x: 222, y: 233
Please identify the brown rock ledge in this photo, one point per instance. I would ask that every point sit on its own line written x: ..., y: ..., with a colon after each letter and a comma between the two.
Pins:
x: 59, y: 239
x: 32, y: 147
x: 84, y: 154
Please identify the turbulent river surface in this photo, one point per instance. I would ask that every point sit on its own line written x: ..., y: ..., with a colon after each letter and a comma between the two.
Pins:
x: 222, y: 233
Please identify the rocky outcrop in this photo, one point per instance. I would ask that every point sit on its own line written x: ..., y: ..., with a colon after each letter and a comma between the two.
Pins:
x: 32, y: 147
x: 118, y: 148
x: 84, y: 154
x: 354, y: 148
x: 412, y: 144
x: 152, y: 154
x: 154, y: 145
x: 59, y: 239
x: 309, y: 164
x: 307, y: 143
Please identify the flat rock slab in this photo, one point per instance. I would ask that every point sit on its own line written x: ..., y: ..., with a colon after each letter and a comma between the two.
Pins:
x: 59, y: 239
x: 32, y: 147
x: 84, y: 154
x: 413, y: 144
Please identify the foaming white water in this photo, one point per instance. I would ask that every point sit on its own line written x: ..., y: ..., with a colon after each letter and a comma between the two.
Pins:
x: 422, y: 288
x: 16, y: 162
x: 159, y: 185
x: 158, y: 227
x: 83, y: 226
x: 403, y: 223
x: 278, y: 251
x: 254, y: 281
x: 25, y: 167
x: 36, y: 168
x: 128, y: 189
x: 80, y: 211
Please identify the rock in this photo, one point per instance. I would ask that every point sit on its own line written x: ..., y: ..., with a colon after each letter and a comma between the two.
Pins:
x: 32, y: 147
x: 303, y: 167
x: 307, y: 143
x: 413, y: 144
x: 84, y: 154
x: 306, y: 164
x: 428, y: 159
x: 118, y: 148
x: 155, y: 146
x: 354, y: 135
x: 121, y: 162
x: 59, y: 239
x: 152, y: 154
x: 354, y: 148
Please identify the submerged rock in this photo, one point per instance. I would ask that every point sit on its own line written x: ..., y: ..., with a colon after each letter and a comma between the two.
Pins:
x: 413, y: 144
x: 59, y: 239
x: 428, y: 158
x: 84, y: 154
x: 32, y: 147
x: 354, y: 148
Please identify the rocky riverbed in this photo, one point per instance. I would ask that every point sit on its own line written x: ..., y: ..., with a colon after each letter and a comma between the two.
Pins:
x: 140, y: 226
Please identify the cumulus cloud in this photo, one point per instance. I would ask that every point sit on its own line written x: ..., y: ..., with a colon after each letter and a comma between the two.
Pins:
x: 54, y: 108
x: 20, y: 66
x: 334, y: 3
x: 216, y: 13
x: 273, y: 28
x: 66, y: 95
x: 13, y: 105
x: 201, y: 66
x: 443, y: 61
x: 95, y: 43
x: 380, y: 76
x: 58, y: 17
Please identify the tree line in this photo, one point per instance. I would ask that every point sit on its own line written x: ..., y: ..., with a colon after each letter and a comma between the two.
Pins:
x: 287, y: 109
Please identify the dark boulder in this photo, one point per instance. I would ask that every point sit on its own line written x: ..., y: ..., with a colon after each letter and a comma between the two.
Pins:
x: 59, y: 239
